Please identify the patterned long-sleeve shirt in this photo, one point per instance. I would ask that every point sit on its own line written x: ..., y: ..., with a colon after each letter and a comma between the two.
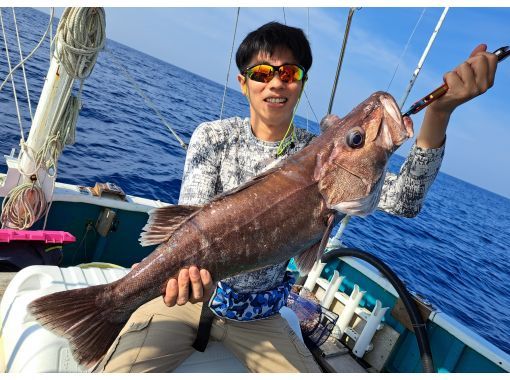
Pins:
x: 225, y: 154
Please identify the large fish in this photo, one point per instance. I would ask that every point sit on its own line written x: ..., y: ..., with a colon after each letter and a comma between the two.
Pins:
x: 288, y: 211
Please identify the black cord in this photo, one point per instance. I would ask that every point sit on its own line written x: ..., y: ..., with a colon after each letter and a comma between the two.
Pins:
x: 418, y: 324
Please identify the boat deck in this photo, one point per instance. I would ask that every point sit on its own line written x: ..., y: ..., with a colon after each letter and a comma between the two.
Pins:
x: 333, y: 357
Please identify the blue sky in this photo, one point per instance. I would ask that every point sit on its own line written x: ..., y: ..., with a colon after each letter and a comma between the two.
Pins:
x: 200, y: 39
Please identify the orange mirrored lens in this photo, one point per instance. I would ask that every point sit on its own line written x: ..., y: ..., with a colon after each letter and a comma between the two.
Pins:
x: 265, y: 73
x: 261, y: 73
x: 289, y: 73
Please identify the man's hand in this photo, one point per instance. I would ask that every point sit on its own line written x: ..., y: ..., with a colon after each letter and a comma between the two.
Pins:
x: 465, y: 82
x: 468, y: 80
x: 191, y: 285
x: 178, y: 291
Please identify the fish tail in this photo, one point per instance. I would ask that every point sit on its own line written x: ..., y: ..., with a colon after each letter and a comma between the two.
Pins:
x: 83, y: 317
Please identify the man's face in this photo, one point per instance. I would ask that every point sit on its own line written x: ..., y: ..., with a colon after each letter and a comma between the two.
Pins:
x: 272, y: 103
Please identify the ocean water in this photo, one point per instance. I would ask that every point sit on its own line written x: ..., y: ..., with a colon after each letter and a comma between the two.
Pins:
x: 454, y: 254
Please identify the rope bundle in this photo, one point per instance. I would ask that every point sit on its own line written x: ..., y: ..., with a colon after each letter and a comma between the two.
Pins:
x: 81, y: 35
x: 23, y: 206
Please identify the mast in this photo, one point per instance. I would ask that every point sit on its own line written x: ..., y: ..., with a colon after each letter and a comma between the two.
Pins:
x: 31, y: 178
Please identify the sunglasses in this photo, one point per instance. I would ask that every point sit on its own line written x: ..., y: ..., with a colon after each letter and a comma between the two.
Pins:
x: 264, y: 73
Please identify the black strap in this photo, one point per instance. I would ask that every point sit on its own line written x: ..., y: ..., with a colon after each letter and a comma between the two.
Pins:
x: 204, y: 328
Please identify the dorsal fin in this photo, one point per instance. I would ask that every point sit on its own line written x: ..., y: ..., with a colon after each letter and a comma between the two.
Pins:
x: 307, y: 259
x: 327, y: 121
x: 163, y: 222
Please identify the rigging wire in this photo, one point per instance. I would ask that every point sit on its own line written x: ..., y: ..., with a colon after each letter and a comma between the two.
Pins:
x: 23, y: 66
x: 341, y: 57
x: 229, y: 64
x: 31, y: 53
x: 146, y: 99
x: 310, y: 106
x: 405, y: 48
x: 18, y: 112
x: 304, y: 91
x: 346, y: 218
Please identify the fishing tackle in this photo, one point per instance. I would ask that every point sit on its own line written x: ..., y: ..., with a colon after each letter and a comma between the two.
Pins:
x: 502, y: 53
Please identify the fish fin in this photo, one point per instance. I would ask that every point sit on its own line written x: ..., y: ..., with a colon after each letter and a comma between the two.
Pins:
x: 327, y: 121
x: 163, y: 222
x: 307, y: 259
x: 77, y: 316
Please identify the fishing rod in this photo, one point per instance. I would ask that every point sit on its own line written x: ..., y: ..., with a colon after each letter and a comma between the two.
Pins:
x: 501, y: 53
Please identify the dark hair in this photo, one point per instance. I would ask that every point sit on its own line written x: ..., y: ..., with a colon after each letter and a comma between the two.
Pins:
x: 270, y: 37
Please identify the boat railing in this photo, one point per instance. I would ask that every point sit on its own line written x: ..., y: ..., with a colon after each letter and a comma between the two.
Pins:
x: 362, y: 331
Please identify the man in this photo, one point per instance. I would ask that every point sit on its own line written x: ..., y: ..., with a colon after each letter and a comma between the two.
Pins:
x: 273, y: 62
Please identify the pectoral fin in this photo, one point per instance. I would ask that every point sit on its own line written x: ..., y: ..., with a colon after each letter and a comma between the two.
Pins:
x: 163, y: 222
x: 307, y: 259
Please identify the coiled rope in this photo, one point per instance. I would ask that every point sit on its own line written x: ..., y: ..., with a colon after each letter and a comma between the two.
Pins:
x: 79, y: 38
x: 81, y: 35
x: 24, y: 205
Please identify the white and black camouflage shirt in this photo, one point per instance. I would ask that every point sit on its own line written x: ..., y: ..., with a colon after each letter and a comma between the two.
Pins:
x: 224, y: 154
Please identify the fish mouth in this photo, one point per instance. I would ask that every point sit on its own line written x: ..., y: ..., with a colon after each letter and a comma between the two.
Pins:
x: 398, y: 128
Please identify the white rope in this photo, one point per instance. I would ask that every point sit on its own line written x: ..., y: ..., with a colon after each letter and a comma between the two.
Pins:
x: 146, y: 99
x: 9, y: 75
x: 18, y: 112
x: 79, y: 38
x: 229, y: 65
x: 62, y: 133
x: 405, y: 48
x: 17, y: 211
x: 22, y: 66
x: 81, y: 35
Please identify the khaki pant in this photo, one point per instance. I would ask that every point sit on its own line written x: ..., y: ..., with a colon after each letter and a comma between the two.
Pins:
x: 158, y: 338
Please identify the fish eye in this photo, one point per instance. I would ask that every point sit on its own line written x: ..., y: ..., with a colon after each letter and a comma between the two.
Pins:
x: 355, y: 138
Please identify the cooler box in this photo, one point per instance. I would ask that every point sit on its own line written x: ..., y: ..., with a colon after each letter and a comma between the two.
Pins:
x: 27, y: 347
x: 22, y: 248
